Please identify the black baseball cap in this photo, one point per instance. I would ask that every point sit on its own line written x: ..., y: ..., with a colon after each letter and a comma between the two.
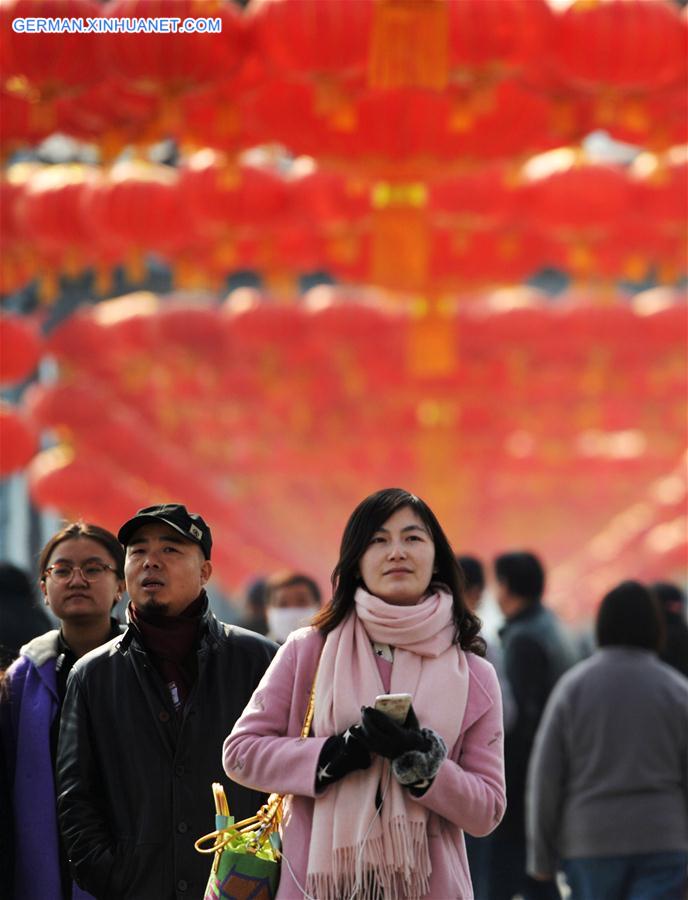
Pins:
x: 191, y: 525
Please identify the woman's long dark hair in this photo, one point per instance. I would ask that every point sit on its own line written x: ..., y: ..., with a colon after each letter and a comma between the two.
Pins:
x: 365, y: 520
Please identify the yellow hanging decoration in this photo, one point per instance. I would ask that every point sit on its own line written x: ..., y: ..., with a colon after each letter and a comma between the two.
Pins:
x: 409, y: 44
x: 432, y: 343
x: 400, y: 238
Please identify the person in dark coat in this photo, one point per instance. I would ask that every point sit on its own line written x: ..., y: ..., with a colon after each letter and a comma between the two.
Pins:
x: 144, y: 719
x: 537, y: 651
x: 21, y: 619
x: 672, y: 603
x: 81, y: 576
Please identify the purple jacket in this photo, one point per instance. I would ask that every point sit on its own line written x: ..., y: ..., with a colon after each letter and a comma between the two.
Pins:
x: 264, y: 751
x: 26, y: 721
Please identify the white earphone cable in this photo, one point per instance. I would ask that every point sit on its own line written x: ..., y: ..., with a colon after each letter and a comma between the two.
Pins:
x: 359, y: 857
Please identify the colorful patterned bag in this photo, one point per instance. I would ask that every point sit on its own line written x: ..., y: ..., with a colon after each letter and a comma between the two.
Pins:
x: 247, y: 854
x: 247, y: 857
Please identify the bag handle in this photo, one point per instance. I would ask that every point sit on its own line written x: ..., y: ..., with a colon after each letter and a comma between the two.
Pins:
x: 310, y: 709
x: 270, y: 814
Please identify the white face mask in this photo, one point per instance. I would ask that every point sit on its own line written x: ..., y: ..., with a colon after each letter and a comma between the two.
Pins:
x: 282, y: 620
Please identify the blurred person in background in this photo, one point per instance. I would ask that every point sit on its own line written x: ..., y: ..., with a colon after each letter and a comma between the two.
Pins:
x: 378, y: 807
x: 20, y: 617
x: 478, y: 848
x: 474, y: 576
x: 81, y: 570
x: 608, y: 778
x: 672, y: 605
x: 291, y: 601
x: 144, y: 719
x: 536, y: 652
x: 254, y: 616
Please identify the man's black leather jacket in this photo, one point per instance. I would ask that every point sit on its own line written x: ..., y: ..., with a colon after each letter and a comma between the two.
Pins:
x: 134, y: 778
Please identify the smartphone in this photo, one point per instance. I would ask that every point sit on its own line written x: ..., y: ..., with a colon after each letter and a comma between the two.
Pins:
x: 396, y: 706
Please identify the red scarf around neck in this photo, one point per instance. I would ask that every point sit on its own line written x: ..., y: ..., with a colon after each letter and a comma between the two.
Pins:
x: 171, y: 642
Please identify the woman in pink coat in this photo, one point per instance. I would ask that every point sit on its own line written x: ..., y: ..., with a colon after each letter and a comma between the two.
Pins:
x: 378, y: 808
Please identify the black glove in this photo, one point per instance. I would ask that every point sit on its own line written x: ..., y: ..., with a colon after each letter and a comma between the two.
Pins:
x: 341, y: 754
x: 416, y: 753
x: 384, y: 736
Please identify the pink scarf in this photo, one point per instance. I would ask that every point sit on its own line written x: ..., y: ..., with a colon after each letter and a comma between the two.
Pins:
x: 389, y: 858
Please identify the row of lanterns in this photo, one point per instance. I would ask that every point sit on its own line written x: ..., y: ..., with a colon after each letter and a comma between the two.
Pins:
x: 574, y: 408
x: 463, y: 79
x: 210, y: 218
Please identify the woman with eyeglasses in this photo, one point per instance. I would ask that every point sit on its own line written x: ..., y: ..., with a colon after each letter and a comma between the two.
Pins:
x: 381, y: 792
x: 81, y: 572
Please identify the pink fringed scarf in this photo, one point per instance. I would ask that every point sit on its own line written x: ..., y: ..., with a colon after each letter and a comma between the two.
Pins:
x: 389, y: 858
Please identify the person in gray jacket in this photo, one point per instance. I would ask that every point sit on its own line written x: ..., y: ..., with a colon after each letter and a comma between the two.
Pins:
x: 607, y: 796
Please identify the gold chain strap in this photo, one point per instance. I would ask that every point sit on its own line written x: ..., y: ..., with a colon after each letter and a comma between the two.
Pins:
x: 268, y: 817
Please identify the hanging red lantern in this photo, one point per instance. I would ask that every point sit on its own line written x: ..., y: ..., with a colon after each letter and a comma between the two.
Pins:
x: 223, y: 197
x: 491, y: 40
x: 620, y: 45
x: 215, y: 116
x: 50, y: 215
x: 112, y: 112
x: 18, y: 440
x: 138, y: 207
x: 660, y: 186
x: 20, y: 349
x: 485, y: 198
x: 73, y: 487
x: 25, y: 121
x: 312, y: 38
x: 44, y: 61
x: 175, y: 62
x: 17, y: 260
x: 580, y: 207
x: 656, y: 120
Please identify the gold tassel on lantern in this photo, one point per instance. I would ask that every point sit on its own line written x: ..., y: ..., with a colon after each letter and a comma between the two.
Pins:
x: 409, y: 44
x: 400, y: 239
x: 431, y: 349
x: 48, y: 288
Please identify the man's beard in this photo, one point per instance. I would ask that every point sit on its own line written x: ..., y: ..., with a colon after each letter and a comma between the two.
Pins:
x: 153, y: 605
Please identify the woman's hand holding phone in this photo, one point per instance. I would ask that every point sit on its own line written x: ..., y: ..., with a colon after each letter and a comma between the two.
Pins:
x: 386, y: 737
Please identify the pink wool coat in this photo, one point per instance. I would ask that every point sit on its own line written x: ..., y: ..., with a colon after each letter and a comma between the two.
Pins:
x: 265, y: 752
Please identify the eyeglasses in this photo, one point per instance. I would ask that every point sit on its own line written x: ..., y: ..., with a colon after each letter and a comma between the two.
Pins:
x: 89, y: 572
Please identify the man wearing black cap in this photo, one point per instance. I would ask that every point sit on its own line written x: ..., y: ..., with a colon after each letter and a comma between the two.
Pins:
x: 145, y: 717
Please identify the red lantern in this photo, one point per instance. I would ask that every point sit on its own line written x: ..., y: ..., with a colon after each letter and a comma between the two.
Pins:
x: 221, y: 197
x: 620, y: 45
x: 176, y: 62
x: 113, y: 112
x: 18, y: 440
x: 658, y: 225
x: 24, y: 121
x: 656, y: 120
x: 20, y: 349
x: 309, y: 37
x: 50, y: 62
x: 50, y: 215
x: 488, y: 40
x: 580, y: 207
x: 138, y: 207
x: 482, y: 199
x: 17, y: 260
x: 74, y: 488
